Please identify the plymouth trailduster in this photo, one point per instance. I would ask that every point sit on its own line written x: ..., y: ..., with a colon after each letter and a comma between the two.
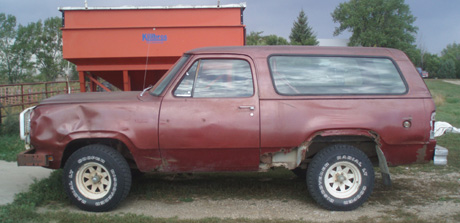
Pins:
x: 330, y: 112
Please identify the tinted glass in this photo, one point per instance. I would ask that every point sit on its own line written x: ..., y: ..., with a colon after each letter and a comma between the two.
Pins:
x: 304, y: 75
x: 221, y: 78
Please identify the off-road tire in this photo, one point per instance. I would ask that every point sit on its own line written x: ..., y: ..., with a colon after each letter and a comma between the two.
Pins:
x: 96, y: 178
x: 340, y: 178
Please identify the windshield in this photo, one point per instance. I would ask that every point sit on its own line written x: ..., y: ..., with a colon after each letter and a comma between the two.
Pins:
x: 166, y: 79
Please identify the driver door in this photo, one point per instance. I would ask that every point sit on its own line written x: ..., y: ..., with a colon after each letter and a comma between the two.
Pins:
x: 209, y: 120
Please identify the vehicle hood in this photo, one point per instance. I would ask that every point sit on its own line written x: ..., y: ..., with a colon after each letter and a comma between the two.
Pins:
x: 93, y: 97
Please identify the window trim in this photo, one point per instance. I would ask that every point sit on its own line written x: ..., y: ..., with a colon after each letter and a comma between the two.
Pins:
x: 344, y: 56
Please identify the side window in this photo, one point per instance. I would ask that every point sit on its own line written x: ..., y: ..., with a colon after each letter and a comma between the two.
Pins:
x: 186, y: 85
x: 217, y: 78
x: 313, y: 75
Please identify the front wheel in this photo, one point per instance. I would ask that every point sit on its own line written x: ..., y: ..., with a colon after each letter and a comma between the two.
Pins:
x: 340, y: 178
x: 96, y: 178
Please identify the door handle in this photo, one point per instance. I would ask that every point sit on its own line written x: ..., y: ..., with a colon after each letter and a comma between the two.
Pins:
x: 246, y: 107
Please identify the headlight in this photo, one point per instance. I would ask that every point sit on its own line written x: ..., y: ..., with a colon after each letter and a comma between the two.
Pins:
x: 24, y: 123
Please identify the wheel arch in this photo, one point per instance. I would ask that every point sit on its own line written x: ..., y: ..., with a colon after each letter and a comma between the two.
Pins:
x: 299, y: 156
x: 368, y: 141
x: 122, y: 146
x: 363, y: 139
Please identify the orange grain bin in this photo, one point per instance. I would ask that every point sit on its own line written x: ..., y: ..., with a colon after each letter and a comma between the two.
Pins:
x: 127, y: 45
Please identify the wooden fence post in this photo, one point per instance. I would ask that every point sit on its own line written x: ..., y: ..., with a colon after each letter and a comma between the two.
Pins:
x: 6, y: 96
x: 1, y: 107
x: 22, y: 97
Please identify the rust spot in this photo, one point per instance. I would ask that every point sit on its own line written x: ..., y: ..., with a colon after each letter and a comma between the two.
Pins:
x: 152, y: 158
x: 266, y: 158
x: 421, y: 153
x: 304, y: 149
x: 167, y: 162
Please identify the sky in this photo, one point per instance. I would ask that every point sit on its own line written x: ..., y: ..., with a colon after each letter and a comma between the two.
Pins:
x: 437, y: 21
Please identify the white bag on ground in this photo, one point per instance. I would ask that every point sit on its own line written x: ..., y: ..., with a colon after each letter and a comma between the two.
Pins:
x: 440, y: 128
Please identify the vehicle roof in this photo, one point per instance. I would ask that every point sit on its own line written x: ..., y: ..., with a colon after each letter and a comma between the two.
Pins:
x: 264, y: 51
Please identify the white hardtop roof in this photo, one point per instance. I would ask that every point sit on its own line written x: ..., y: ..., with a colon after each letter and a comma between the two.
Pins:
x: 240, y: 5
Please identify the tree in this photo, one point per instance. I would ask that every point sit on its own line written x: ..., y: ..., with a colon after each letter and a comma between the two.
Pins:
x: 452, y: 52
x: 49, y: 56
x: 7, y: 35
x: 17, y: 47
x: 275, y: 40
x: 256, y: 38
x: 431, y: 64
x: 447, y: 68
x: 377, y: 23
x: 23, y: 49
x: 301, y: 32
x: 28, y: 50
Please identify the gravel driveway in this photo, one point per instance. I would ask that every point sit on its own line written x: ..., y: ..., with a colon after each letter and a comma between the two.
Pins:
x: 420, y: 194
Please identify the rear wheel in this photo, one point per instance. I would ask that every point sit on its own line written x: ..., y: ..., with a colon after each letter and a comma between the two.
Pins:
x: 340, y: 178
x: 97, y: 178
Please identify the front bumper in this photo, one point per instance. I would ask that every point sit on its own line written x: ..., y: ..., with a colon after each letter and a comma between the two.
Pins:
x: 30, y: 158
x: 440, y: 155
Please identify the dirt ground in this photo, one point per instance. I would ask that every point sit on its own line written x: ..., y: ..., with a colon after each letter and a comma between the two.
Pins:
x: 427, y: 196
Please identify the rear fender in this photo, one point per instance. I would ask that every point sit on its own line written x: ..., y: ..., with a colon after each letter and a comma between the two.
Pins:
x: 295, y: 157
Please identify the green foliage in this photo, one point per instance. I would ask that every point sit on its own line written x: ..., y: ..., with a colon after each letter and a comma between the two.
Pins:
x: 256, y: 38
x: 9, y: 125
x: 10, y: 146
x: 301, y: 32
x: 9, y: 60
x: 377, y: 23
x: 10, y: 143
x: 30, y: 50
x: 275, y: 40
x: 446, y: 69
x: 431, y: 64
x: 49, y: 57
x: 451, y: 54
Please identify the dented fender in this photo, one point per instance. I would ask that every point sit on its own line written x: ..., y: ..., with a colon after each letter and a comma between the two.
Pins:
x: 57, y: 122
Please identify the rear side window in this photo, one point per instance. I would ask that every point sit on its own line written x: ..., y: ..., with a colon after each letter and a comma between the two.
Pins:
x: 315, y: 75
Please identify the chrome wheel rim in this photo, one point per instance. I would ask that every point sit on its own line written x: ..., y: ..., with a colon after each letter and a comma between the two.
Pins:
x: 93, y: 180
x: 342, y: 180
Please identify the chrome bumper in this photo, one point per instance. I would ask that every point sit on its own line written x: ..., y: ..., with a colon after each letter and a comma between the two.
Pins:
x: 440, y: 155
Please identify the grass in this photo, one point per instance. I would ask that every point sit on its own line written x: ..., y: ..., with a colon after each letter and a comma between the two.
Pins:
x: 449, y: 111
x: 10, y: 146
x: 10, y: 143
x: 279, y: 184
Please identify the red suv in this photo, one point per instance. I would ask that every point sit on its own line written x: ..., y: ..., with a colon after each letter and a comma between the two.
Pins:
x: 332, y: 112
